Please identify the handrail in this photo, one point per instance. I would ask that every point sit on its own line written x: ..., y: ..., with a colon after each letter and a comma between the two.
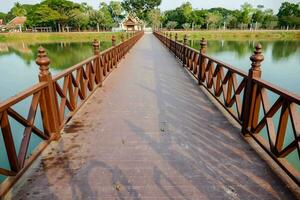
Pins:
x: 73, y: 68
x: 246, y: 99
x: 227, y: 66
x: 53, y: 95
x: 22, y: 95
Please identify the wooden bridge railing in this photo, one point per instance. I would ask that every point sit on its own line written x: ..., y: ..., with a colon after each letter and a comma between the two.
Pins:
x: 245, y: 97
x: 57, y: 98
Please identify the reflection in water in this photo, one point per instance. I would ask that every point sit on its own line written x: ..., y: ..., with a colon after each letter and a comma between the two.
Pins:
x: 62, y: 55
x: 281, y: 50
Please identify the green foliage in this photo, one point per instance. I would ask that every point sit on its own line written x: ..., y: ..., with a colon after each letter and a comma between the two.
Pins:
x: 198, y: 17
x: 106, y: 20
x: 18, y: 10
x: 246, y: 18
x: 289, y: 14
x: 116, y: 10
x: 3, y: 16
x: 213, y: 19
x: 154, y: 18
x: 140, y: 7
x: 171, y: 25
x: 59, y: 14
x: 181, y: 15
x: 186, y: 26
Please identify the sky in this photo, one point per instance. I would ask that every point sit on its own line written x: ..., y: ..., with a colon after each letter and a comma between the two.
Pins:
x: 5, y: 5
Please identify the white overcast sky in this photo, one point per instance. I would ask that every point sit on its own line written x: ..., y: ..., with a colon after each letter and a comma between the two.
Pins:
x: 5, y: 5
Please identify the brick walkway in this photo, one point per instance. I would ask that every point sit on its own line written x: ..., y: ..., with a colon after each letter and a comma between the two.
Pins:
x: 150, y: 133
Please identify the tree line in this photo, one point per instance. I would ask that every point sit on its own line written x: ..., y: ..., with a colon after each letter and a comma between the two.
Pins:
x: 59, y: 14
x: 247, y: 17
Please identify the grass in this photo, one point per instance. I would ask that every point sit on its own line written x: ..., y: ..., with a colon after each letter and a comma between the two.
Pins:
x: 193, y: 35
x: 241, y: 35
x: 57, y: 37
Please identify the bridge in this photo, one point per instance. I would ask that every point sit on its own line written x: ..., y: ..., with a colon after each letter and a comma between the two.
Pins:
x: 166, y: 122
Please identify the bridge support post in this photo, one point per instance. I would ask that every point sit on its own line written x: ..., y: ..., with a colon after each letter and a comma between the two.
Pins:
x: 201, y: 71
x: 251, y: 101
x: 48, y: 101
x: 99, y: 69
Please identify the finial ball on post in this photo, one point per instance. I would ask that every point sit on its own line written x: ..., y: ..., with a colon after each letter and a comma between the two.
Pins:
x: 96, y: 46
x: 113, y: 39
x: 43, y: 61
x: 257, y: 57
x: 203, y: 45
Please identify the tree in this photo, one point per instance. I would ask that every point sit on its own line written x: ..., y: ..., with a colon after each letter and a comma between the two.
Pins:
x: 18, y: 10
x: 246, y: 14
x: 154, y: 18
x: 186, y: 26
x: 140, y: 7
x: 3, y: 16
x: 182, y: 14
x: 198, y: 17
x: 106, y: 20
x: 116, y: 10
x: 289, y: 14
x: 231, y: 21
x: 213, y: 19
x: 171, y: 25
x: 42, y: 15
x: 79, y: 19
x: 64, y: 8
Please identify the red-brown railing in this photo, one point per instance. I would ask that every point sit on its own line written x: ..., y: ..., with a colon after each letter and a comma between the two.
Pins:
x: 53, y: 95
x: 245, y: 97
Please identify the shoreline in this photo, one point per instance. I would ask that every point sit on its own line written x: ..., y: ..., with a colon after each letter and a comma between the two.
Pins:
x: 237, y: 35
x: 46, y: 37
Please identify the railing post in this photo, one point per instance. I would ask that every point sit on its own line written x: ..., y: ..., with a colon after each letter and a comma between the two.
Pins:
x: 251, y: 104
x: 99, y: 70
x: 48, y: 103
x: 184, y: 49
x: 201, y: 71
x: 176, y: 38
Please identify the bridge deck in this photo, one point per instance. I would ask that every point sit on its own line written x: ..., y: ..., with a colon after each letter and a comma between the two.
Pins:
x: 150, y: 133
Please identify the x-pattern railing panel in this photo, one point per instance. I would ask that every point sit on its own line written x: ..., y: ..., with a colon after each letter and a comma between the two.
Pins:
x: 17, y: 160
x: 286, y: 108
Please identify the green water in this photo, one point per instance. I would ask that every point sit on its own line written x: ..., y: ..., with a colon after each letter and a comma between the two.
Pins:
x: 18, y: 71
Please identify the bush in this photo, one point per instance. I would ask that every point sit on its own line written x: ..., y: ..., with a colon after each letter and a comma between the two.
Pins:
x: 171, y: 25
x: 186, y: 26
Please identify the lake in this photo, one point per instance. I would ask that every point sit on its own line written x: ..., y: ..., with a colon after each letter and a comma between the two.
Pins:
x: 18, y: 70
